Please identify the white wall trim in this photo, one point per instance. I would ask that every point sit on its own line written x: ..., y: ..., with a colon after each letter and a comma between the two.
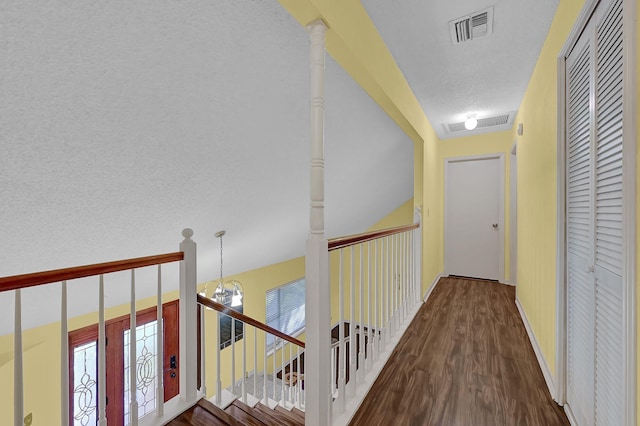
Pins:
x: 501, y: 157
x: 432, y: 286
x: 546, y: 371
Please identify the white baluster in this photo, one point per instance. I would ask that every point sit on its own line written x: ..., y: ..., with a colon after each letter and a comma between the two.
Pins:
x: 361, y: 333
x: 133, y: 404
x: 376, y: 324
x: 160, y: 347
x: 18, y: 386
x: 233, y: 356
x: 203, y: 353
x: 300, y: 378
x: 352, y: 325
x: 64, y: 358
x: 264, y: 373
x: 392, y: 285
x: 369, y: 358
x: 218, y: 361
x: 342, y: 353
x: 384, y: 249
x: 244, y: 364
x: 282, y: 375
x: 334, y: 367
x: 255, y: 361
x: 102, y: 357
x: 417, y: 255
x: 273, y: 373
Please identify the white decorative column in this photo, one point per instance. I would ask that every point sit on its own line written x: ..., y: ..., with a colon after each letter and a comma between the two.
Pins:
x: 318, y: 302
x: 188, y: 320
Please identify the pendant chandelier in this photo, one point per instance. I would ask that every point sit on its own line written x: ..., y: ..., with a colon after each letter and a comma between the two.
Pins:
x: 227, y: 293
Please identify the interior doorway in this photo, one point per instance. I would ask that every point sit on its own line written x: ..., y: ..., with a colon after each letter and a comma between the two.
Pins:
x: 474, y: 216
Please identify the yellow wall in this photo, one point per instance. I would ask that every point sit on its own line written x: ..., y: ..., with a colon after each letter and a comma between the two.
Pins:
x: 537, y: 181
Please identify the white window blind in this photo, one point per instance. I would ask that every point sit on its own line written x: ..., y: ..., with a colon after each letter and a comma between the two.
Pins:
x: 285, y: 308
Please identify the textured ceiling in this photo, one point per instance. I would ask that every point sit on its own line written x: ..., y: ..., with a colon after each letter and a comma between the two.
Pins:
x: 485, y: 77
x: 124, y: 122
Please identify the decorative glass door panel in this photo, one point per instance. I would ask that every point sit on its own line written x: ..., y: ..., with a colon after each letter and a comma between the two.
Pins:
x: 146, y: 369
x: 83, y: 355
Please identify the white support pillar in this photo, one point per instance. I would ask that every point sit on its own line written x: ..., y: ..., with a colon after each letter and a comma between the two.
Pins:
x: 188, y: 320
x: 318, y: 308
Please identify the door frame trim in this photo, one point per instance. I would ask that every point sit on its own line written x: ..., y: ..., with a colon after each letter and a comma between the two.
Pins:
x: 629, y: 210
x: 501, y: 157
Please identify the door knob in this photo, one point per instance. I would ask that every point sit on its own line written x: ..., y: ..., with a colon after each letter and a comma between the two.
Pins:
x: 589, y: 268
x: 495, y: 226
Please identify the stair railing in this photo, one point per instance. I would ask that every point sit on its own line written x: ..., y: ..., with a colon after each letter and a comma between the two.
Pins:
x: 272, y: 373
x: 379, y: 292
x: 187, y: 317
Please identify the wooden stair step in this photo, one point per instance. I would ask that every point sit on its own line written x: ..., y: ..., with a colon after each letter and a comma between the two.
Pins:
x: 282, y: 415
x: 219, y: 413
x: 243, y: 416
x: 294, y: 414
x: 261, y: 416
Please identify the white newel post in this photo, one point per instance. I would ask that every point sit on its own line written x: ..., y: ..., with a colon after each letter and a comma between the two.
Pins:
x: 188, y: 320
x: 417, y: 254
x: 317, y: 301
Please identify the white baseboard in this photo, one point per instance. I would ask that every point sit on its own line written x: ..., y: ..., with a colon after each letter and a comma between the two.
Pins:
x: 509, y: 283
x: 431, y: 287
x: 546, y: 372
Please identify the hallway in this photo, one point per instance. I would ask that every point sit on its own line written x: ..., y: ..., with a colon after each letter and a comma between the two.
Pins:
x: 464, y: 360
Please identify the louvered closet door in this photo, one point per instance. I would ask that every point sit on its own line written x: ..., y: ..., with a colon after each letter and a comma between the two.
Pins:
x: 580, y: 315
x: 609, y: 377
x: 595, y: 367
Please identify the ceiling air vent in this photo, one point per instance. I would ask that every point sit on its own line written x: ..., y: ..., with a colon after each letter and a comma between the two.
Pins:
x: 501, y: 122
x: 476, y: 25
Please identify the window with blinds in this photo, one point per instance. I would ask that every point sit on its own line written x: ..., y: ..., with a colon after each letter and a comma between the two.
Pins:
x: 285, y: 308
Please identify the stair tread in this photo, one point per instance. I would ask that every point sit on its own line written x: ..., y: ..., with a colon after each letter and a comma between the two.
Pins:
x: 197, y: 416
x: 246, y: 418
x: 261, y: 416
x: 219, y: 413
x: 291, y: 413
x: 283, y: 417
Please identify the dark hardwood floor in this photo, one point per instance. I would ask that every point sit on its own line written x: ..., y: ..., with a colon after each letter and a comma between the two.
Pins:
x: 465, y: 360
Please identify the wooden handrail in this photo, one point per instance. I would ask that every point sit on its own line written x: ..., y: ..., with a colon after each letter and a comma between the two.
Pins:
x: 349, y: 240
x: 57, y: 275
x: 247, y: 320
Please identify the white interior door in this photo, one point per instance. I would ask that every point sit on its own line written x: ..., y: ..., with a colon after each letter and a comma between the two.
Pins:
x: 474, y: 194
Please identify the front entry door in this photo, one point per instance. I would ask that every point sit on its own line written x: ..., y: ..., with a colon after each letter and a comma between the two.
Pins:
x: 473, y: 217
x: 83, y: 368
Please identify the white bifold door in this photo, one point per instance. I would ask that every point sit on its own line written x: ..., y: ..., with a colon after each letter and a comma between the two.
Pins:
x: 594, y: 91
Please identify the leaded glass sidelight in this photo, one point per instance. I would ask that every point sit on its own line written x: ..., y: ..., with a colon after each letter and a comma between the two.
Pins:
x: 85, y: 389
x: 146, y: 379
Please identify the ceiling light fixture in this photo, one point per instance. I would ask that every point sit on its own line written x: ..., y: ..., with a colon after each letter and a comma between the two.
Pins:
x: 227, y: 292
x: 470, y: 123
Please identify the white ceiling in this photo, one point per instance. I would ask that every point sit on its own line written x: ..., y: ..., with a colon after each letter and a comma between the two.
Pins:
x: 125, y: 122
x: 486, y: 77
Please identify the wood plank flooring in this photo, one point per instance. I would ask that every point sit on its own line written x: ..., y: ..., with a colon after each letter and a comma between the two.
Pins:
x: 465, y: 360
